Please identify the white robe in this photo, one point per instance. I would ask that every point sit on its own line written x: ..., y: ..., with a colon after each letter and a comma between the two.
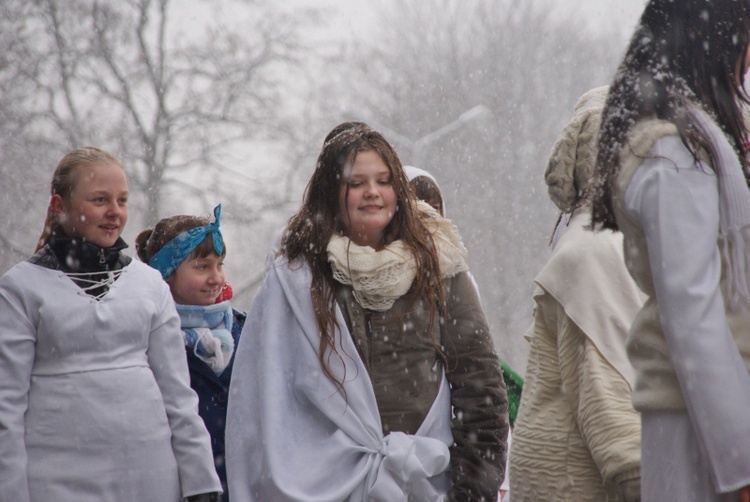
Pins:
x: 676, y: 203
x: 293, y: 435
x: 95, y: 401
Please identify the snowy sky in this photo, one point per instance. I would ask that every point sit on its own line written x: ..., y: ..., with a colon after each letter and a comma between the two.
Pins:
x: 604, y: 15
x: 349, y: 19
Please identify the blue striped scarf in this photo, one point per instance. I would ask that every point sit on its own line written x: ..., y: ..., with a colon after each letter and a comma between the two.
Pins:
x: 208, y: 332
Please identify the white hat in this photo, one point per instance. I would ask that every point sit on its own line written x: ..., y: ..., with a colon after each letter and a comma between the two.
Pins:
x: 572, y: 162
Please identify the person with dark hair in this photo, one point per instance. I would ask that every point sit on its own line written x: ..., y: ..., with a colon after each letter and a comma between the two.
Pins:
x: 189, y: 253
x: 342, y: 127
x: 366, y: 370
x: 425, y: 187
x: 672, y: 177
x: 95, y: 402
x: 577, y: 436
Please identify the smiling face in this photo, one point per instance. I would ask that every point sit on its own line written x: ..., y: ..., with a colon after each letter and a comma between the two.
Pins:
x: 367, y: 200
x: 97, y: 209
x: 198, y: 281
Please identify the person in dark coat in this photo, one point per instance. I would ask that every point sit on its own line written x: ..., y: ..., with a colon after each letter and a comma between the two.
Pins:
x: 189, y: 252
x: 213, y: 395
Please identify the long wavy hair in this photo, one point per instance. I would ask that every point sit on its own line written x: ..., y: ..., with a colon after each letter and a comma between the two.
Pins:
x: 682, y: 51
x: 311, y: 228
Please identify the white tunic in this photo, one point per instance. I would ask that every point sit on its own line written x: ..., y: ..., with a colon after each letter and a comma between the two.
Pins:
x: 675, y: 204
x: 95, y: 401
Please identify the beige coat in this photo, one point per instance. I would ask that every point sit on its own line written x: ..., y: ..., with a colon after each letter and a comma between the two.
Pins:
x: 577, y: 435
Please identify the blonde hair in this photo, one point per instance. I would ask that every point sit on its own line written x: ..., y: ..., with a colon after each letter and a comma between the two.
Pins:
x: 65, y: 180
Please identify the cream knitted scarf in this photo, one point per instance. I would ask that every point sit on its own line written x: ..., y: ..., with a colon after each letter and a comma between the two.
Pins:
x: 734, y: 210
x: 379, y: 278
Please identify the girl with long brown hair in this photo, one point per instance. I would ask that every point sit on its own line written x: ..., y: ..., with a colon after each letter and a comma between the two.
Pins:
x: 95, y: 399
x: 366, y: 370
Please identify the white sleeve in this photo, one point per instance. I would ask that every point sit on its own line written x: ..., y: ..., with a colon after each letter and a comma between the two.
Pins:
x: 676, y: 203
x: 506, y: 482
x: 17, y: 343
x: 191, y: 442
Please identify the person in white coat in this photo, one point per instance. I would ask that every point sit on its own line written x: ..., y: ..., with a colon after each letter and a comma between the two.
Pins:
x: 577, y: 436
x: 95, y: 399
x: 673, y: 179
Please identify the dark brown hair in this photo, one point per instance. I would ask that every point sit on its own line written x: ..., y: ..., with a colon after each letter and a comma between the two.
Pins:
x: 681, y: 51
x: 311, y: 228
x: 427, y: 190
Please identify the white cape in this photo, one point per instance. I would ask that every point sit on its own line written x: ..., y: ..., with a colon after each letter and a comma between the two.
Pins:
x: 587, y: 276
x: 292, y: 435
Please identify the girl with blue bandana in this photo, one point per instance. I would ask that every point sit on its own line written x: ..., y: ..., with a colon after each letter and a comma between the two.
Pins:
x: 189, y: 252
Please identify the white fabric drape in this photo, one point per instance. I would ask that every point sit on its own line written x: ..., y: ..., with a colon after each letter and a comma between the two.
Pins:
x: 676, y: 203
x: 293, y: 435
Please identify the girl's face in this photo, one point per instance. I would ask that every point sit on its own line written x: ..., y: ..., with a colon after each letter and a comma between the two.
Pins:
x: 370, y: 204
x: 198, y: 281
x: 98, y: 207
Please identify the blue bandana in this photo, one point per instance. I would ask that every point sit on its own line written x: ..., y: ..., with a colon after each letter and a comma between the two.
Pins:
x: 175, y: 251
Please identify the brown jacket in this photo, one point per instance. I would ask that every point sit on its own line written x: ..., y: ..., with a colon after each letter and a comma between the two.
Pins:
x: 405, y: 369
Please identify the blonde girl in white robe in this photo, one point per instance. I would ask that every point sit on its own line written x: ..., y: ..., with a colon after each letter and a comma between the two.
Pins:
x: 95, y: 400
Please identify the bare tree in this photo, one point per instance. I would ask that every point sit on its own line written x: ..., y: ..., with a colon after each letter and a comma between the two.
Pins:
x: 196, y: 111
x: 433, y: 60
